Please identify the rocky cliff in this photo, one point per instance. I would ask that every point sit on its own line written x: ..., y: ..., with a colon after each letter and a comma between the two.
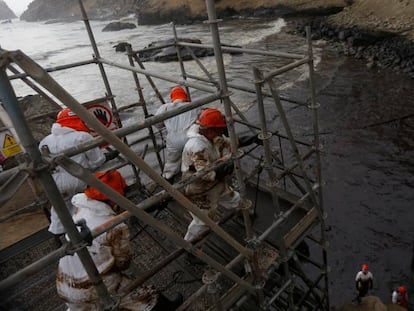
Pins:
x: 389, y: 15
x: 40, y: 10
x: 5, y: 11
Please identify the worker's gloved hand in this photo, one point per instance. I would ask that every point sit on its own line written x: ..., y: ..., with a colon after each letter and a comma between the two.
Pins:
x: 111, y: 155
x: 248, y: 140
x: 224, y: 170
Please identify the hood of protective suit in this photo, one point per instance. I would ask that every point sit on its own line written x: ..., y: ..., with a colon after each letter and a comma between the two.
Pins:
x: 194, y: 132
x: 59, y: 130
x: 94, y: 211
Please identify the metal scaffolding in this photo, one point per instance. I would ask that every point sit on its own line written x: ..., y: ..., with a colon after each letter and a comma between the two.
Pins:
x: 265, y: 269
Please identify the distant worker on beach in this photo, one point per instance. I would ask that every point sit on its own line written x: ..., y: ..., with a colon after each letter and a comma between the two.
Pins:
x: 111, y: 252
x: 177, y: 128
x: 69, y: 131
x: 400, y: 297
x: 363, y: 282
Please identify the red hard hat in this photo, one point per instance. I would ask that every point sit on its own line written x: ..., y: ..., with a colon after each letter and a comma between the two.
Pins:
x: 113, y: 179
x: 364, y: 266
x: 211, y: 117
x: 402, y: 289
x: 67, y: 118
x: 178, y: 93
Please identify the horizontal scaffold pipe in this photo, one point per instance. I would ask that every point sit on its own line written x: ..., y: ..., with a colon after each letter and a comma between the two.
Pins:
x: 285, y: 68
x: 45, y: 80
x: 57, y: 68
x: 169, y: 258
x: 22, y: 275
x: 281, y: 218
x: 247, y: 89
x: 289, y: 169
x: 273, y: 133
x: 278, y: 293
x: 142, y: 125
x: 191, y: 300
x: 242, y: 50
x: 156, y: 198
x: 52, y: 257
x: 78, y: 171
x: 154, y: 74
x: 54, y: 113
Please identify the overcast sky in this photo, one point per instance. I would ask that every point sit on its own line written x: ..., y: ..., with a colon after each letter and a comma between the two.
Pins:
x: 18, y: 6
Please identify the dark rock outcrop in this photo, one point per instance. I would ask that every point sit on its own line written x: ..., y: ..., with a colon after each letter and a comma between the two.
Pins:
x: 6, y: 12
x: 121, y: 46
x: 378, y: 48
x: 165, y: 51
x: 117, y: 26
x: 68, y: 10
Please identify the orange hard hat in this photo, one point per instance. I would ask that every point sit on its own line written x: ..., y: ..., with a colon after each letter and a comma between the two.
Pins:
x: 402, y: 289
x: 67, y: 118
x: 211, y: 117
x: 113, y: 179
x: 364, y: 266
x: 178, y: 93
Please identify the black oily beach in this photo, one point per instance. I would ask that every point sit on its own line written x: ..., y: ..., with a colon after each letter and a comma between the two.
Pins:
x: 366, y: 120
x: 378, y: 48
x: 367, y: 133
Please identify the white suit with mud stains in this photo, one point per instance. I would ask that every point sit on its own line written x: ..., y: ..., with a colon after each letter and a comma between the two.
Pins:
x: 177, y: 128
x: 111, y: 253
x: 206, y: 192
x: 62, y: 138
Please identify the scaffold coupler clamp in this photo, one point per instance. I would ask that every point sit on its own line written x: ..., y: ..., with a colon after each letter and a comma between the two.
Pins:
x: 253, y: 243
x: 85, y: 232
x: 210, y: 278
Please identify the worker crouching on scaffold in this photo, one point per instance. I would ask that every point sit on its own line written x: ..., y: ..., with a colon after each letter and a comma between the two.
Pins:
x: 111, y: 254
x: 206, y: 144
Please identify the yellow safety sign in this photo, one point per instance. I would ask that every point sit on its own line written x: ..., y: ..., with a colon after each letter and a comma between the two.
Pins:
x: 10, y: 146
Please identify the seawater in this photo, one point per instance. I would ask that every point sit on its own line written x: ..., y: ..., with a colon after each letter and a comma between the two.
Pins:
x: 56, y: 44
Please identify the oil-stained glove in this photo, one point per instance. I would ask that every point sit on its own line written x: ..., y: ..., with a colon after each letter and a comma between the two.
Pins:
x: 248, y: 140
x: 224, y: 170
x: 111, y: 155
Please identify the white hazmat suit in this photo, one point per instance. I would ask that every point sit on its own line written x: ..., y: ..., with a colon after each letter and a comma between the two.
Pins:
x: 62, y: 138
x: 177, y: 128
x: 111, y: 253
x: 208, y: 191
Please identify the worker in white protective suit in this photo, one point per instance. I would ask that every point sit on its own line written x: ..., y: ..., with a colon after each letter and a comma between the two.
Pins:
x: 111, y: 254
x: 205, y: 145
x: 177, y: 128
x: 69, y: 131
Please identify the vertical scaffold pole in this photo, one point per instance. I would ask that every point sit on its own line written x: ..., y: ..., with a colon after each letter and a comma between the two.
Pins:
x: 144, y: 106
x: 265, y: 137
x: 212, y: 20
x: 9, y: 100
x: 101, y: 67
x: 180, y: 59
x: 314, y: 107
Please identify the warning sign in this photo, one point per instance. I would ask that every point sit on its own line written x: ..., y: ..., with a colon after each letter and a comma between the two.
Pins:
x: 104, y: 114
x: 10, y: 145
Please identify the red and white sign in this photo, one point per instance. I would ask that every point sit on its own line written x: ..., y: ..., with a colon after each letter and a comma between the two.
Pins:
x: 104, y: 114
